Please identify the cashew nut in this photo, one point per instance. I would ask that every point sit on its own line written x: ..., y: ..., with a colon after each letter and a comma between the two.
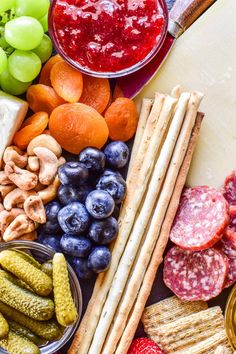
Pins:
x: 13, y: 153
x: 4, y: 190
x: 1, y: 207
x: 39, y: 187
x: 23, y: 179
x: 19, y: 226
x: 6, y: 217
x: 4, y: 180
x: 30, y: 236
x: 50, y: 193
x: 33, y: 164
x: 48, y: 165
x: 34, y: 209
x: 46, y: 141
x: 16, y: 197
x: 61, y: 161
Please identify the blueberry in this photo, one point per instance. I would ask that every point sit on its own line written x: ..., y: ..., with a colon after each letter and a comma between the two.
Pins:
x: 52, y: 226
x: 117, y: 154
x: 110, y: 172
x: 68, y: 194
x: 51, y: 241
x: 114, y: 185
x: 74, y: 218
x: 93, y: 159
x: 78, y: 246
x: 73, y: 173
x: 116, y: 212
x: 100, y: 204
x: 103, y: 231
x: 80, y: 266
x: 99, y: 259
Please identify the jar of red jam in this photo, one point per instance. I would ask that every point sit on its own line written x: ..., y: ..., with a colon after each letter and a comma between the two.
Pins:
x: 108, y: 38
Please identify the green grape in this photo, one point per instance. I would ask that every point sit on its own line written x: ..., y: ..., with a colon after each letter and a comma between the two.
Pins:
x: 24, y: 33
x: 24, y: 66
x: 3, y: 60
x: 44, y: 22
x: 34, y: 8
x: 12, y: 86
x: 44, y: 50
x: 7, y: 5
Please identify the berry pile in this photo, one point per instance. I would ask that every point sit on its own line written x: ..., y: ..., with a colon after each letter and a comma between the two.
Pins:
x: 83, y: 221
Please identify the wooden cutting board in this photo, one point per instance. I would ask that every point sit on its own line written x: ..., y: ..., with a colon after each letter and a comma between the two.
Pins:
x: 204, y: 58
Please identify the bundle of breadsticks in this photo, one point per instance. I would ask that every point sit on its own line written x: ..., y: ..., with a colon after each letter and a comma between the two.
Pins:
x: 161, y: 156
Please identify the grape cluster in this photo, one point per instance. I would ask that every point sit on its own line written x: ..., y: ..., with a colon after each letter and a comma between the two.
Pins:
x: 23, y: 44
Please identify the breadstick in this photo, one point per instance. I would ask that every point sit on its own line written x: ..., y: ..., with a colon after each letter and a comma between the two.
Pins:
x: 176, y: 91
x: 139, y: 228
x: 133, y: 199
x: 156, y: 258
x: 154, y: 228
x: 144, y: 113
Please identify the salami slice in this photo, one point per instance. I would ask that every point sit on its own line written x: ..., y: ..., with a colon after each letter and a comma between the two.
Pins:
x: 229, y: 189
x: 228, y: 246
x: 193, y: 276
x: 201, y: 218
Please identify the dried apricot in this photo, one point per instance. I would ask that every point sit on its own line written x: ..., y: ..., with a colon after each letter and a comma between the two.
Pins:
x: 117, y: 93
x: 76, y: 126
x: 96, y: 92
x: 67, y: 81
x: 43, y: 98
x: 44, y: 78
x: 122, y: 119
x: 30, y: 128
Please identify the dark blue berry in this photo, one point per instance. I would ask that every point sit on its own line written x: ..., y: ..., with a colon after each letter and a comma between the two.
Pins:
x: 80, y: 266
x: 117, y: 154
x: 110, y: 172
x: 103, y: 231
x: 114, y: 185
x: 68, y: 194
x: 100, y: 204
x: 73, y: 245
x: 93, y: 159
x: 74, y: 218
x: 99, y: 259
x: 52, y: 226
x: 51, y: 241
x: 73, y: 173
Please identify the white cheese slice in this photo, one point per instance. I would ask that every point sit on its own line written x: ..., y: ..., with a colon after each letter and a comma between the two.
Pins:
x: 12, y: 113
x: 204, y: 58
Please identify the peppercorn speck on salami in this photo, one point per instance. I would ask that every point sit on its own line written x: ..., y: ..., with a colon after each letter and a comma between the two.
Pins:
x: 228, y: 246
x: 201, y: 218
x: 198, y: 275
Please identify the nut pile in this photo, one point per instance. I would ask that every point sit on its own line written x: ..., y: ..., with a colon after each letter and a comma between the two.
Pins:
x: 28, y: 180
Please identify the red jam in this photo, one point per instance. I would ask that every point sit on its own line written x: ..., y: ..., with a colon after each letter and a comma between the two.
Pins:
x: 107, y: 35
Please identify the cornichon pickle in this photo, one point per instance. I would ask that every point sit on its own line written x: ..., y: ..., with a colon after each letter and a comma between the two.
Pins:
x: 3, y: 343
x: 17, y: 344
x: 47, y: 268
x: 4, y: 327
x: 65, y: 309
x: 32, y: 305
x: 48, y: 330
x: 40, y: 282
x: 23, y: 331
x: 28, y: 258
x: 15, y: 280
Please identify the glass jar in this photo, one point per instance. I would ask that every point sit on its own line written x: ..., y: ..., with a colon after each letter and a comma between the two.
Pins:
x: 230, y: 317
x: 43, y: 254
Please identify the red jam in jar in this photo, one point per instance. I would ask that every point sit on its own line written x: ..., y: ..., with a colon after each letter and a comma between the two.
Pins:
x: 107, y: 35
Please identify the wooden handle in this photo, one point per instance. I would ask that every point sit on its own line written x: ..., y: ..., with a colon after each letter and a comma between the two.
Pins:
x: 184, y: 13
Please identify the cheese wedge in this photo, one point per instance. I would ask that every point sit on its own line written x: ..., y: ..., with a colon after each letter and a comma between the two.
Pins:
x: 12, y: 113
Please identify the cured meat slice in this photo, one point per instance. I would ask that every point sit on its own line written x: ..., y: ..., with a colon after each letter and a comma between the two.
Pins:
x: 228, y: 246
x: 201, y: 218
x: 229, y: 190
x: 193, y: 276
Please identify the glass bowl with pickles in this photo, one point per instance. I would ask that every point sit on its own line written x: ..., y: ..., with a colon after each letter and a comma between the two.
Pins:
x: 40, y: 299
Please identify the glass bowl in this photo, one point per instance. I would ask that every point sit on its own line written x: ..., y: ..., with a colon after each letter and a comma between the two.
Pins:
x: 43, y: 254
x: 120, y: 73
x: 230, y: 317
